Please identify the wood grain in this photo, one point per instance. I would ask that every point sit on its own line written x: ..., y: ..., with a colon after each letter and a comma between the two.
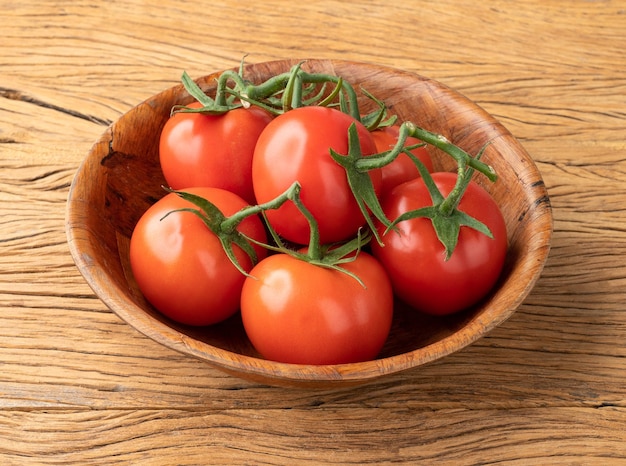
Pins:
x: 285, y: 436
x: 78, y: 386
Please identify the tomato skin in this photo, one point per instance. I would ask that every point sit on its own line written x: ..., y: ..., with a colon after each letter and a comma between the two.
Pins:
x: 402, y: 168
x: 295, y: 147
x: 300, y: 313
x: 212, y: 150
x: 180, y: 265
x: 414, y: 258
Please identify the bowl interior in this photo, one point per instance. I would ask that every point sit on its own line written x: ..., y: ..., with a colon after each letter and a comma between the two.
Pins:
x: 121, y: 177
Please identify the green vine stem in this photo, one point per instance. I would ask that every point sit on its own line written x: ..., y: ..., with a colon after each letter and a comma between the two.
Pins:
x: 407, y: 129
x: 225, y: 228
x: 446, y: 218
x: 293, y: 89
x: 330, y: 256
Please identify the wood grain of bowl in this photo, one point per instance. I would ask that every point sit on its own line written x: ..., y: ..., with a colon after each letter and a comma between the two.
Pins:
x: 121, y: 177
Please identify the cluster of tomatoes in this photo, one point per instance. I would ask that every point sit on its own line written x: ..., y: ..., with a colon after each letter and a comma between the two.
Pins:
x: 310, y: 224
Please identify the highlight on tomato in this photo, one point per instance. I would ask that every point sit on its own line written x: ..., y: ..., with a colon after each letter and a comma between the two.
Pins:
x: 214, y: 150
x: 181, y: 265
x: 297, y: 312
x: 296, y: 146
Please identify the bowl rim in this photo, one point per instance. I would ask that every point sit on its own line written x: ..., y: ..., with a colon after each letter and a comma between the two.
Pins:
x: 277, y: 373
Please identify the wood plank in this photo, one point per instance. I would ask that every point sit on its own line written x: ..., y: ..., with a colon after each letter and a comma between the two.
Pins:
x: 79, y: 386
x: 338, y: 436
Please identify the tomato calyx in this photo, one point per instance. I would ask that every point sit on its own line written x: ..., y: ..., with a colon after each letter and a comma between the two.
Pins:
x: 209, y: 105
x: 446, y: 218
x: 225, y: 228
x: 331, y: 256
x: 360, y: 182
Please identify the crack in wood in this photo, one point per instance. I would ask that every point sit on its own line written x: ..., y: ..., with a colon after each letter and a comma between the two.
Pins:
x: 13, y: 94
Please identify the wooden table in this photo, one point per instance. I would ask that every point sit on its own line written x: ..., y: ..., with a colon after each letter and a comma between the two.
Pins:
x: 78, y: 386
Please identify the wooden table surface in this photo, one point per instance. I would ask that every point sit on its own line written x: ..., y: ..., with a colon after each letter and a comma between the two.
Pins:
x: 79, y: 386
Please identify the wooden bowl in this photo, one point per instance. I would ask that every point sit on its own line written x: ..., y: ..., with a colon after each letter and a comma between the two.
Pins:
x: 121, y: 177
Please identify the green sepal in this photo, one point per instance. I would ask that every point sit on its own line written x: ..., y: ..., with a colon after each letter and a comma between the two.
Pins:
x: 293, y: 89
x: 208, y: 105
x: 214, y: 220
x: 360, y: 182
x: 318, y: 97
x: 447, y: 225
x: 336, y: 255
x: 330, y: 98
x: 195, y: 91
x: 448, y: 228
x: 378, y: 118
x: 329, y: 256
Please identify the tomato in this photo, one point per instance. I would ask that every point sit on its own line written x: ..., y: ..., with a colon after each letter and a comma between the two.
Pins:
x: 402, y: 168
x: 180, y: 265
x: 295, y: 146
x: 212, y: 150
x: 297, y: 312
x: 414, y: 257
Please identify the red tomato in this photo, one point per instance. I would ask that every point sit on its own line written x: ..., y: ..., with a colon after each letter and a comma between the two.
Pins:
x: 414, y: 257
x: 180, y: 265
x: 295, y: 146
x: 402, y: 168
x: 212, y: 150
x: 300, y: 313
